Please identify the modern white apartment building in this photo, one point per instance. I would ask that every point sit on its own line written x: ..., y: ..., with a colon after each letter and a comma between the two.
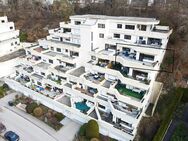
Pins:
x: 96, y: 67
x: 9, y: 37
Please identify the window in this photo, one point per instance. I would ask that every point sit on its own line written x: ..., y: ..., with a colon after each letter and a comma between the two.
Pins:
x: 142, y: 27
x: 101, y: 25
x: 66, y: 50
x: 42, y: 73
x: 15, y: 43
x: 101, y: 106
x: 91, y: 36
x: 119, y: 25
x: 132, y: 27
x: 128, y: 37
x: 38, y: 83
x: 52, y: 48
x: 58, y: 49
x: 101, y: 35
x: 50, y: 61
x: 116, y: 35
x: 11, y: 27
x: 2, y: 21
x: 77, y: 22
x: 12, y: 44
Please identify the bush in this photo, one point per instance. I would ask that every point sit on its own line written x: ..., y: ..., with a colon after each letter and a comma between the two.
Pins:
x: 92, y: 129
x: 30, y: 107
x: 59, y: 117
x: 5, y: 87
x: 82, y: 131
x: 38, y: 112
x: 185, y: 95
x: 23, y: 36
x: 94, y: 139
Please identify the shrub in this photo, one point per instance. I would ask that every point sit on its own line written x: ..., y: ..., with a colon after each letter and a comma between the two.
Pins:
x: 23, y: 36
x: 38, y: 112
x: 82, y: 131
x: 5, y: 87
x: 30, y: 107
x: 59, y: 116
x: 94, y: 139
x: 92, y: 129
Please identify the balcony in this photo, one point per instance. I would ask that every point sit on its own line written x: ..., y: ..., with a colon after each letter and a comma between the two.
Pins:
x: 63, y: 69
x: 126, y: 108
x: 135, y: 92
x: 90, y: 91
x: 137, y: 75
x: 58, y: 81
x: 95, y: 78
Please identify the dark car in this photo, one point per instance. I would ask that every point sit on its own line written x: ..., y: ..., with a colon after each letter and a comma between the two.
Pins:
x: 10, y: 103
x: 11, y: 136
x: 2, y: 128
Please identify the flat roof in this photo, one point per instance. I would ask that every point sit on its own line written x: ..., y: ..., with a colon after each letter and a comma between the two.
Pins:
x: 121, y: 18
x: 43, y: 65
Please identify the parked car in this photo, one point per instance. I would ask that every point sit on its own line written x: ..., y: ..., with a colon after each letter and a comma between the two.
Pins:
x: 11, y: 136
x: 10, y: 103
x: 2, y: 128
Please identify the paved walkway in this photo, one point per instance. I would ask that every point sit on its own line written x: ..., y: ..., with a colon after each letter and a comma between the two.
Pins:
x: 31, y: 129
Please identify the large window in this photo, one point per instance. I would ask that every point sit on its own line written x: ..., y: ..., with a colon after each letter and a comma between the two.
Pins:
x: 101, y: 35
x: 142, y: 27
x: 50, y: 61
x: 77, y: 22
x: 58, y: 49
x: 127, y: 37
x: 116, y: 35
x: 101, y: 25
x: 131, y: 27
x: 119, y: 25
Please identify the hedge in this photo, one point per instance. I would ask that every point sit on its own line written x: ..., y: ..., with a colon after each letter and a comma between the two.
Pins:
x: 169, y: 114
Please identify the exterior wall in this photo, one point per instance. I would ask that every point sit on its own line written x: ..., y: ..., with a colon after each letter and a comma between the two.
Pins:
x: 9, y: 40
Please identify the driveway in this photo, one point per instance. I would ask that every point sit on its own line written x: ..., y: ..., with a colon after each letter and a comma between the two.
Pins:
x: 31, y: 129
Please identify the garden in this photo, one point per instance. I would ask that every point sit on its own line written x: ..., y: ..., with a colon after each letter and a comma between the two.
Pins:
x: 41, y: 112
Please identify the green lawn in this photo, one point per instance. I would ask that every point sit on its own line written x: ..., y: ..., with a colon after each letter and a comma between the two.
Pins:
x: 121, y: 88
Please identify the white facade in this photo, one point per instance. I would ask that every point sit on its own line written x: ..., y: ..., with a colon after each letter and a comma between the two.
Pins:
x: 96, y: 67
x: 9, y: 37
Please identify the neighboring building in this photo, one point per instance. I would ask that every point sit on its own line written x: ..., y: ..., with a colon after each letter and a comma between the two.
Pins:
x: 9, y: 37
x: 83, y: 3
x: 96, y: 67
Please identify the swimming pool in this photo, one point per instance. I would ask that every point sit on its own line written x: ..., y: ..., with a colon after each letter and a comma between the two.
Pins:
x: 82, y: 106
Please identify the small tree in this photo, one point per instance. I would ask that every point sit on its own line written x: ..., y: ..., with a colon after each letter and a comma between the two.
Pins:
x: 30, y: 107
x: 82, y: 131
x: 59, y: 116
x: 92, y: 129
x: 38, y: 112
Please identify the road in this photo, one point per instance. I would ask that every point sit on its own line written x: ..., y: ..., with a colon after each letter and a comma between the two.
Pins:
x: 31, y: 129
